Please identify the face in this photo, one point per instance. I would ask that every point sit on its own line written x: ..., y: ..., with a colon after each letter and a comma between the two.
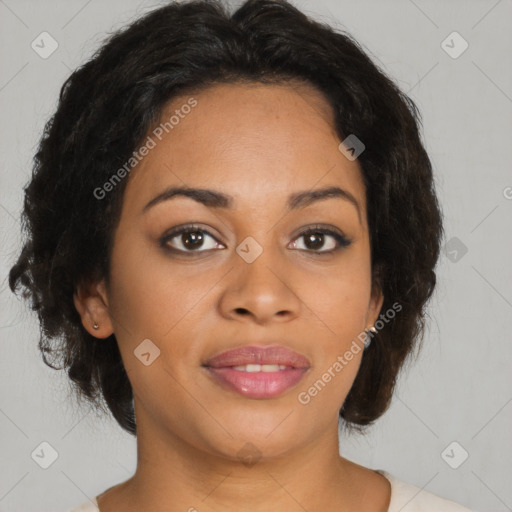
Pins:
x: 245, y: 271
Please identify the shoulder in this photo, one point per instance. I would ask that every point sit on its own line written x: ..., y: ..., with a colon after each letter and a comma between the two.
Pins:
x: 410, y: 498
x: 404, y: 498
x: 88, y: 506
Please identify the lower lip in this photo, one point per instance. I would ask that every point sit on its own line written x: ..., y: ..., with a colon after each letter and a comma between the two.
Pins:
x: 258, y: 384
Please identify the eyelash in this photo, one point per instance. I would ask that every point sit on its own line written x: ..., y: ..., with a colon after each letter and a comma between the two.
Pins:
x: 341, y: 239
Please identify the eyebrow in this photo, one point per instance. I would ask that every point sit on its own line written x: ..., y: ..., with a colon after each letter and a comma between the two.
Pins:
x: 215, y: 199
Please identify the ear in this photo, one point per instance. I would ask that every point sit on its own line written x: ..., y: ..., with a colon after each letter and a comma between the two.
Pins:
x: 91, y: 302
x: 376, y: 300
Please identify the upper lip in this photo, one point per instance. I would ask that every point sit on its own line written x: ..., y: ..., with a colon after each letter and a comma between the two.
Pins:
x: 253, y: 354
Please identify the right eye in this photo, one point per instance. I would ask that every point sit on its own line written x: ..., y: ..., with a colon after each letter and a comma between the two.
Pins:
x: 188, y: 239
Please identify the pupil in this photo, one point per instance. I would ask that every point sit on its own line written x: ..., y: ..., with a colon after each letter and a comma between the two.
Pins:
x: 195, y: 236
x: 311, y: 238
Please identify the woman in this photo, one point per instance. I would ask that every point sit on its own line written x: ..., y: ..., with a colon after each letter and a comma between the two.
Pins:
x: 232, y: 232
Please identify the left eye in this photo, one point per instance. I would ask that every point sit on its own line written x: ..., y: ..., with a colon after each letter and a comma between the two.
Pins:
x: 314, y: 237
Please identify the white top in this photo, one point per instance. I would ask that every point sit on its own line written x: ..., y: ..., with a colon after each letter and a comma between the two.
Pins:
x: 404, y: 498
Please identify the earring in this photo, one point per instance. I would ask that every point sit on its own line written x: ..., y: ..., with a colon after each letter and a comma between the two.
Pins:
x: 369, y: 337
x: 95, y: 326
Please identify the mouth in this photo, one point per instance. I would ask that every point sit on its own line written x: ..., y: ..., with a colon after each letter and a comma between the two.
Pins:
x: 258, y: 372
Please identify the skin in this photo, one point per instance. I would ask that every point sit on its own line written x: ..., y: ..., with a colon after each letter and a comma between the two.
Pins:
x: 257, y: 143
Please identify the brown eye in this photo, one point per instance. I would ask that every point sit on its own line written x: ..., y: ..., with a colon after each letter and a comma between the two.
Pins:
x: 189, y: 239
x: 192, y: 239
x: 316, y: 239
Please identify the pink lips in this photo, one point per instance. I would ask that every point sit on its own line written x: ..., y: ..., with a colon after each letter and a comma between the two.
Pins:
x: 258, y: 384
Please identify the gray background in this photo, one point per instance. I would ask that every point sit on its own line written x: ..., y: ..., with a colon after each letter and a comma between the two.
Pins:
x: 459, y: 389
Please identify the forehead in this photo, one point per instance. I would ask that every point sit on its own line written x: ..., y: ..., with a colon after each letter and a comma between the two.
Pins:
x: 256, y: 142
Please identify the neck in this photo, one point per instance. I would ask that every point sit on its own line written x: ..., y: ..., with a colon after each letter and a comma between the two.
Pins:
x: 174, y: 475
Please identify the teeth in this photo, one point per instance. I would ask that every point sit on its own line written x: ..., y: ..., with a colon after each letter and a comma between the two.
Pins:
x: 252, y: 368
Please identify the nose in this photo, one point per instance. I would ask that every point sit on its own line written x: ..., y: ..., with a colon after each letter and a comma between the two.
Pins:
x: 260, y: 292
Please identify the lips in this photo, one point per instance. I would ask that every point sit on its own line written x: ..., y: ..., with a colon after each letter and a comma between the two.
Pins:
x: 259, y: 355
x: 258, y: 372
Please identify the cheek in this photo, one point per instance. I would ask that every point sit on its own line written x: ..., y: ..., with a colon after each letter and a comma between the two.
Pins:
x: 340, y: 296
x: 340, y: 305
x: 150, y: 293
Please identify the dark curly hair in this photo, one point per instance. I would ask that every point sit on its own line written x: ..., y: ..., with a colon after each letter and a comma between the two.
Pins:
x: 105, y: 110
